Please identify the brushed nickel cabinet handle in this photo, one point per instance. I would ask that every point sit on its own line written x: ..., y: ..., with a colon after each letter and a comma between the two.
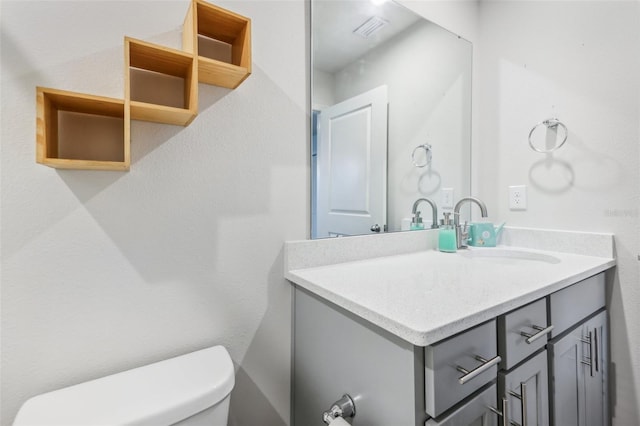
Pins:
x: 589, y: 341
x: 542, y: 331
x: 523, y: 403
x: 595, y: 342
x: 504, y: 413
x: 486, y: 364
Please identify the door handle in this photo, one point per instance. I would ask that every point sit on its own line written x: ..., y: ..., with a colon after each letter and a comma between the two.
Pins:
x: 375, y: 228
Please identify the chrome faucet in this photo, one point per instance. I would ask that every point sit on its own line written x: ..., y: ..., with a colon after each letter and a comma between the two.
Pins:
x: 462, y: 234
x: 434, y: 212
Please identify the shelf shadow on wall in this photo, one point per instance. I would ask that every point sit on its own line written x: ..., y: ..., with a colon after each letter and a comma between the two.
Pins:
x: 146, y: 137
x: 86, y: 184
x: 16, y: 65
x: 183, y: 207
x: 209, y: 95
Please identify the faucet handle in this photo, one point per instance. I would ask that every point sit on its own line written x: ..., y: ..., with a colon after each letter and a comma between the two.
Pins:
x: 464, y: 232
x: 464, y: 235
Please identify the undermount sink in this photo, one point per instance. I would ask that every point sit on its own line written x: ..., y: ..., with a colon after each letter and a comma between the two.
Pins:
x: 501, y: 255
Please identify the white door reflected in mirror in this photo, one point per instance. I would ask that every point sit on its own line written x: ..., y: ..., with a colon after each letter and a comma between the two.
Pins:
x: 351, y: 166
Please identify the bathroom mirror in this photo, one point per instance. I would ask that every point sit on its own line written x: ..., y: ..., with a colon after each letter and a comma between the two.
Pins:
x: 391, y: 117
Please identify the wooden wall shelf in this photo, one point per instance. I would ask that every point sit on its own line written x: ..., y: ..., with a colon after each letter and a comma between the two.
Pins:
x: 58, y: 148
x: 205, y: 23
x: 168, y: 62
x: 80, y: 131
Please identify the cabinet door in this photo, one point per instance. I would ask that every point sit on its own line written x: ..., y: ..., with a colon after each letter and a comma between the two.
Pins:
x: 567, y: 379
x: 596, y: 389
x: 475, y: 412
x: 579, y: 375
x: 526, y: 388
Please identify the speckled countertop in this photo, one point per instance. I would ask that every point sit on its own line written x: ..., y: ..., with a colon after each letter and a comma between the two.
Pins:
x: 425, y: 296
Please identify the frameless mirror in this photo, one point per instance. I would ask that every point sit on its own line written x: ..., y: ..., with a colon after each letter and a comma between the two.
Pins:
x: 391, y: 117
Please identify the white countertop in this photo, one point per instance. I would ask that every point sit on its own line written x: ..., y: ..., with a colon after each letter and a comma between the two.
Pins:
x: 426, y: 296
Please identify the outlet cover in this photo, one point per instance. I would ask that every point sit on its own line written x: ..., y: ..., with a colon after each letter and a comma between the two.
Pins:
x: 447, y: 198
x: 518, y: 197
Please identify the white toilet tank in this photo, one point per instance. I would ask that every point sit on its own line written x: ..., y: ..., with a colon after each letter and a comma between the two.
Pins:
x: 191, y: 389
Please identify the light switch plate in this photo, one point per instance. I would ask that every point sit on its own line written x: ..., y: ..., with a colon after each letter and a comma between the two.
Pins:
x: 518, y: 197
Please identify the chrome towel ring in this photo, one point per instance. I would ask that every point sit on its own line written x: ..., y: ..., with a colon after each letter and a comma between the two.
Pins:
x: 551, y: 123
x: 419, y: 162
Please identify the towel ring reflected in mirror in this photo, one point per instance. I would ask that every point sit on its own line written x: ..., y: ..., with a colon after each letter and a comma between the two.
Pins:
x: 420, y: 158
x: 551, y: 123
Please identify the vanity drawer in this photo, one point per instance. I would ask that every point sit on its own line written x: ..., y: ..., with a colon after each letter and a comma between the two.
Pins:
x: 522, y: 332
x: 458, y: 366
x: 474, y: 412
x: 574, y: 303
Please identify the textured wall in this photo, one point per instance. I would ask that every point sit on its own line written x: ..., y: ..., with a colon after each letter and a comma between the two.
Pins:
x: 105, y: 271
x: 578, y: 61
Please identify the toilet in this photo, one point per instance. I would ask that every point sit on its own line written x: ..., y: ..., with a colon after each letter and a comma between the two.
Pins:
x: 188, y: 390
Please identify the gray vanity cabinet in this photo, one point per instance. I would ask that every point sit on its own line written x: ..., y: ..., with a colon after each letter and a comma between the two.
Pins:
x: 456, y: 381
x: 526, y: 390
x: 579, y: 375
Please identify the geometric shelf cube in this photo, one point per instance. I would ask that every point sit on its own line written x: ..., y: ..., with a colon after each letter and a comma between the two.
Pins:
x: 161, y: 84
x: 80, y: 131
x: 220, y: 40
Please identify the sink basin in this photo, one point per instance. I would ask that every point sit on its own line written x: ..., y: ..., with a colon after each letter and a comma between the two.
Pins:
x: 501, y: 255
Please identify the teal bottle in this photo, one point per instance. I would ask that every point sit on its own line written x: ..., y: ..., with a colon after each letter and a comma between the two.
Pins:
x: 416, y: 222
x: 447, y: 236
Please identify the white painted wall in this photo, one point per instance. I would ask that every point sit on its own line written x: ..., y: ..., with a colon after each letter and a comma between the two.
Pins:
x: 459, y: 16
x: 105, y: 271
x: 578, y: 61
x: 323, y: 89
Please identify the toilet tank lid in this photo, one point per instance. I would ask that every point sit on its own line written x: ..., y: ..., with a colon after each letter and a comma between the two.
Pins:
x: 157, y: 394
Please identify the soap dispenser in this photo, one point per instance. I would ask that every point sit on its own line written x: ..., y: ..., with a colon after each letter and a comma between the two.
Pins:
x: 416, y: 222
x: 447, y: 235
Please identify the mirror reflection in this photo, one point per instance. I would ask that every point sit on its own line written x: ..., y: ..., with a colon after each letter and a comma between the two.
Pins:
x: 391, y: 117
